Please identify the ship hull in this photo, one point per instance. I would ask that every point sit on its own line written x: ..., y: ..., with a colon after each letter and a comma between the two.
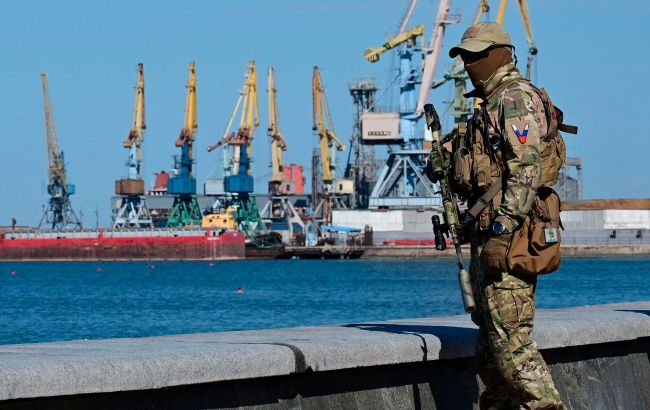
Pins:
x: 66, y: 247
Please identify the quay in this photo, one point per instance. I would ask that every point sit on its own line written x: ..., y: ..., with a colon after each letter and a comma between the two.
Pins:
x: 429, y: 251
x: 598, y: 355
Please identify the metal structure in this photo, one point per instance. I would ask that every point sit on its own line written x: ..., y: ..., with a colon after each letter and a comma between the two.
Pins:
x: 484, y: 7
x: 279, y: 205
x: 402, y: 182
x: 569, y: 187
x: 333, y: 193
x: 278, y: 144
x: 132, y: 211
x: 432, y: 52
x: 58, y: 213
x: 182, y: 185
x: 362, y: 166
x: 238, y: 183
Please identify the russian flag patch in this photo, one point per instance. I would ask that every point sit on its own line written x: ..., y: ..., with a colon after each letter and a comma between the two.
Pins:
x: 521, y: 135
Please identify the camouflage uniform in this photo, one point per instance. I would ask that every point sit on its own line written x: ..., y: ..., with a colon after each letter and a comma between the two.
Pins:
x: 510, y: 365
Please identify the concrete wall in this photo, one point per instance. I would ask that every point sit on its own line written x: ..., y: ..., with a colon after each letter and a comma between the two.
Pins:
x: 606, y: 219
x: 598, y: 356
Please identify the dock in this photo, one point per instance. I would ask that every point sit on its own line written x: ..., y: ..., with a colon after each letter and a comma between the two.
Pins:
x: 598, y: 356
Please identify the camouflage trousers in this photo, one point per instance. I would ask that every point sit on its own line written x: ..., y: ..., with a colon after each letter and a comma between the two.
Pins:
x: 511, y: 367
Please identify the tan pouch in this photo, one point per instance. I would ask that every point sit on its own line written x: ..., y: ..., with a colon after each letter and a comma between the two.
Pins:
x: 535, y: 246
x: 463, y: 169
x: 493, y: 256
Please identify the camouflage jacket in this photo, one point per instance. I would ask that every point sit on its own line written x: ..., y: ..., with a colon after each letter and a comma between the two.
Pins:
x: 515, y: 115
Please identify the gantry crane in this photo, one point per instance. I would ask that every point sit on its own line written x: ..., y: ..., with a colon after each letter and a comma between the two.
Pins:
x: 278, y: 143
x: 279, y: 205
x: 401, y: 182
x: 333, y: 192
x: 185, y: 211
x: 239, y: 184
x: 58, y: 212
x: 133, y: 211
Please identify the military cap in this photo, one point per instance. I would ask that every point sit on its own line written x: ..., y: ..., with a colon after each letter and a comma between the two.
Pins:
x: 481, y: 36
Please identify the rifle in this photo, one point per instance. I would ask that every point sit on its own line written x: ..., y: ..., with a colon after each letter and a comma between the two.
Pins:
x: 440, y: 166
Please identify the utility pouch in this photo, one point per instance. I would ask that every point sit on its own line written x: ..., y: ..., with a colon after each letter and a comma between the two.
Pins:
x: 553, y: 155
x: 535, y: 246
x: 463, y: 169
x: 493, y: 254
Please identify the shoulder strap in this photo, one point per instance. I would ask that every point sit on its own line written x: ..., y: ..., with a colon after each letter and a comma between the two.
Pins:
x: 483, y: 201
x: 571, y: 129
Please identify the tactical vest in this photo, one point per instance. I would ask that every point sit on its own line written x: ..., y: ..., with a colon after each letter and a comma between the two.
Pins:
x: 478, y: 162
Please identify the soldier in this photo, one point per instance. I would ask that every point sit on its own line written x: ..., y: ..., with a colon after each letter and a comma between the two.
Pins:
x: 501, y: 150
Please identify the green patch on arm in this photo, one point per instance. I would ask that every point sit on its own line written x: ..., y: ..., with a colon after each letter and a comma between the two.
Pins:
x: 516, y: 104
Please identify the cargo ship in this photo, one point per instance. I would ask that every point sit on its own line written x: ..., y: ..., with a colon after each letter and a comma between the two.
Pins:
x: 130, y: 245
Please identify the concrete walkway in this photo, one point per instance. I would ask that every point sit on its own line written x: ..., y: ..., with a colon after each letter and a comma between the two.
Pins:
x: 114, y: 365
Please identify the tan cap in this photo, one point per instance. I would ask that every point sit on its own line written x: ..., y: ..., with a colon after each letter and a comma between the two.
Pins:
x: 481, y: 36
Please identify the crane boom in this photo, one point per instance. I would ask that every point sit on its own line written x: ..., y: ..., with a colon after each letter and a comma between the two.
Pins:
x: 407, y: 16
x: 248, y: 122
x: 409, y: 36
x: 56, y: 165
x: 189, y: 123
x: 136, y: 135
x: 324, y: 128
x: 278, y: 144
x: 433, y: 53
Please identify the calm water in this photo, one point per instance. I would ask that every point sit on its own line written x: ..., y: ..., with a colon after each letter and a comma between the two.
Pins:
x: 64, y: 301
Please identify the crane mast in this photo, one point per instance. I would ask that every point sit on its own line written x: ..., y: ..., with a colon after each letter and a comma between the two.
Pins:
x: 58, y: 212
x: 278, y: 144
x: 324, y: 129
x: 133, y: 211
x: 182, y: 185
x: 333, y: 193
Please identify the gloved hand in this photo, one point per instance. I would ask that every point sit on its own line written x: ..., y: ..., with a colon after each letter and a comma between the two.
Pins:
x: 493, y: 254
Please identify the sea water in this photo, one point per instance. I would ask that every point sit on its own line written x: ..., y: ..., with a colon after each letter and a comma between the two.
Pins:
x: 91, y: 300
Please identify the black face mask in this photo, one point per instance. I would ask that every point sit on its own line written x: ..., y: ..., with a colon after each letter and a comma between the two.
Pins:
x: 480, y: 66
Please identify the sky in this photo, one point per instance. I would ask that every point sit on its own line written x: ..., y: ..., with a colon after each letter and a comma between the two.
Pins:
x: 593, y: 60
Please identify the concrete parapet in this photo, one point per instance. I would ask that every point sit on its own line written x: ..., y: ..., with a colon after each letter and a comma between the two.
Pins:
x: 598, y: 356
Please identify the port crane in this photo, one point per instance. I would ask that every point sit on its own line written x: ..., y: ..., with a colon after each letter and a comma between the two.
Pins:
x: 279, y: 205
x: 58, y: 214
x: 133, y: 211
x: 278, y: 144
x: 401, y: 182
x: 238, y: 182
x: 185, y: 210
x: 333, y: 193
x: 525, y: 19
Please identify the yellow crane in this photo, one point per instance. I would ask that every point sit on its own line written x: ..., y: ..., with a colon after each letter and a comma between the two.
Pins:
x: 278, y: 144
x: 324, y: 128
x: 239, y: 184
x: 410, y: 36
x: 133, y: 212
x: 58, y: 213
x: 248, y: 122
x: 189, y: 122
x: 186, y: 210
x: 136, y: 135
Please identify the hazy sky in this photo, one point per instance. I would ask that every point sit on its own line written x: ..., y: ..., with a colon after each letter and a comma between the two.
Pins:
x: 593, y: 60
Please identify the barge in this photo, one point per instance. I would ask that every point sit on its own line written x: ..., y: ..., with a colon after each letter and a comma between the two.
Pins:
x: 150, y: 244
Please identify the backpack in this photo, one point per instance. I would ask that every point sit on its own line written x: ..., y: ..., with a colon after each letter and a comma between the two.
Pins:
x: 552, y: 148
x: 535, y: 246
